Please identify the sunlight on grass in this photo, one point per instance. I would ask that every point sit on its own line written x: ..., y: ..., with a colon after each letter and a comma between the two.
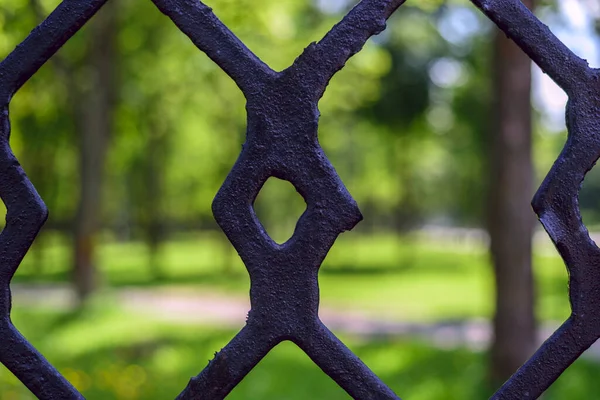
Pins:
x: 382, y: 274
x: 103, y: 354
x: 293, y: 367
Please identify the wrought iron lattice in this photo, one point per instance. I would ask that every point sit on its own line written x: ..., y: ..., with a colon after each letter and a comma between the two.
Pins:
x: 282, y: 141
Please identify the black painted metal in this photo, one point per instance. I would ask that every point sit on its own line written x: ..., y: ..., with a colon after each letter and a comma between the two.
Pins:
x: 26, y: 210
x: 282, y: 141
x: 556, y: 201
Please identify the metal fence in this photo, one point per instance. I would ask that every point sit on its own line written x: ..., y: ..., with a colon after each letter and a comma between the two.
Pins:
x: 282, y: 141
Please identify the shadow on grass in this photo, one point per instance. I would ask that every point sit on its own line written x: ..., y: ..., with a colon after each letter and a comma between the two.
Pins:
x: 159, y: 367
x: 374, y: 270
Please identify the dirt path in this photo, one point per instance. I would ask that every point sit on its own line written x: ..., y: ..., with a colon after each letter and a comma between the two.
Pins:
x: 225, y: 310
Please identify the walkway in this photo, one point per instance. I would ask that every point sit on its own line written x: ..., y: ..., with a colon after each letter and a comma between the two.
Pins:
x: 225, y: 310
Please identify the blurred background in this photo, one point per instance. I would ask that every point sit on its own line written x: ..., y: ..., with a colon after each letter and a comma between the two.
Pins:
x: 440, y: 128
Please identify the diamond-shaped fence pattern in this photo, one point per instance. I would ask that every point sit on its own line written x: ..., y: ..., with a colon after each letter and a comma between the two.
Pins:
x: 282, y: 142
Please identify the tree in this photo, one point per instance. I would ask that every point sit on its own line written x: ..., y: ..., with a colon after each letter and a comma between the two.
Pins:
x: 94, y: 125
x: 510, y: 216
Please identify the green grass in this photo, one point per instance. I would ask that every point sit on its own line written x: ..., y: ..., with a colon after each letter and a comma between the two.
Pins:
x: 381, y: 274
x: 111, y: 355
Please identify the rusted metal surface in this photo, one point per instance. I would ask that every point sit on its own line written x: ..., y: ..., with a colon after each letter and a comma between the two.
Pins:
x: 282, y: 142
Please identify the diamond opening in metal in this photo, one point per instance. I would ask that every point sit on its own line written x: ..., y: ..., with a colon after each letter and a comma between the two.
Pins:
x: 279, y: 220
x: 282, y: 142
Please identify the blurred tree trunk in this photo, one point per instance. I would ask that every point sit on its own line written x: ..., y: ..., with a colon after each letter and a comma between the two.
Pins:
x: 40, y: 154
x: 510, y: 217
x: 95, y: 112
x: 156, y: 152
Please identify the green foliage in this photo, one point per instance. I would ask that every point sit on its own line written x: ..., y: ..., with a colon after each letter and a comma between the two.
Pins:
x: 405, y: 123
x: 401, y: 144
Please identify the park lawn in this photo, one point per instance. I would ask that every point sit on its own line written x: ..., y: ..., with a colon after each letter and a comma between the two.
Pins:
x: 109, y: 354
x: 403, y: 278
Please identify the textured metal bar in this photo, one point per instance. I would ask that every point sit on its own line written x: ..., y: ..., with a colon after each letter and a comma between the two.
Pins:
x: 553, y: 57
x: 26, y: 212
x: 320, y: 61
x: 43, y: 42
x: 282, y: 141
x: 208, y: 33
x: 556, y: 200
